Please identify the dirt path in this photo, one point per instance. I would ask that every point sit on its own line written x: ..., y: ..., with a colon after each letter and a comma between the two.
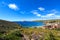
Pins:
x: 25, y: 37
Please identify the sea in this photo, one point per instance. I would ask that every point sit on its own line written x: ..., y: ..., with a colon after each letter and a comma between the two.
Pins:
x: 30, y: 24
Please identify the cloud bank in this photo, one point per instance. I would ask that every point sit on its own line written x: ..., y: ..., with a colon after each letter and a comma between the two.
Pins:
x: 51, y: 14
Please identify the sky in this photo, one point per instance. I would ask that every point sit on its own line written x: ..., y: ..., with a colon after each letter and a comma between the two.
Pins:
x: 28, y: 10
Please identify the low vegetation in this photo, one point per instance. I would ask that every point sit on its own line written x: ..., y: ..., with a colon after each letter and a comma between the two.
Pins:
x: 44, y: 34
x: 8, y: 30
x: 13, y: 31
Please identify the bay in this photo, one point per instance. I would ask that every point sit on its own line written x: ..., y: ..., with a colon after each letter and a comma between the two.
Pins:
x: 30, y: 24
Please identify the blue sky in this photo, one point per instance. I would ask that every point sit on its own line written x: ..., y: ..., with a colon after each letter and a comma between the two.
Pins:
x: 28, y: 10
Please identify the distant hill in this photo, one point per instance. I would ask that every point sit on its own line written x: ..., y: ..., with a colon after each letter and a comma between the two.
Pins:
x: 6, y: 25
x: 48, y: 21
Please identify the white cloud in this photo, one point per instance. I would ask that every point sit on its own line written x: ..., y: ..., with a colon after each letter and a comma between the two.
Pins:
x: 48, y: 15
x: 13, y: 6
x: 52, y: 14
x: 41, y: 9
x: 36, y: 13
x: 44, y: 17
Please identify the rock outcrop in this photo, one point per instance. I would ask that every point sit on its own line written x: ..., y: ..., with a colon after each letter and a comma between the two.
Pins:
x: 51, y: 26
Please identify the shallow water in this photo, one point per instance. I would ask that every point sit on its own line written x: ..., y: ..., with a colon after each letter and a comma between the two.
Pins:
x: 31, y: 24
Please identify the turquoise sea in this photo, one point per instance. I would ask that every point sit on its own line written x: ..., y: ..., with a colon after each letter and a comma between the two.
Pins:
x: 30, y: 24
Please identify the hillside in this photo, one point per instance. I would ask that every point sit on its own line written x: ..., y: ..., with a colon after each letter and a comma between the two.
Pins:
x: 6, y: 25
x: 8, y: 30
x: 13, y: 31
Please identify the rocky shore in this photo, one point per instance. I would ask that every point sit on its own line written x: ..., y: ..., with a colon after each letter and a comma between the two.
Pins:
x: 51, y: 26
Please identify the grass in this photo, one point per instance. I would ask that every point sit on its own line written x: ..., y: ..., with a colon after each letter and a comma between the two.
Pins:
x: 45, y: 33
x: 13, y: 31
